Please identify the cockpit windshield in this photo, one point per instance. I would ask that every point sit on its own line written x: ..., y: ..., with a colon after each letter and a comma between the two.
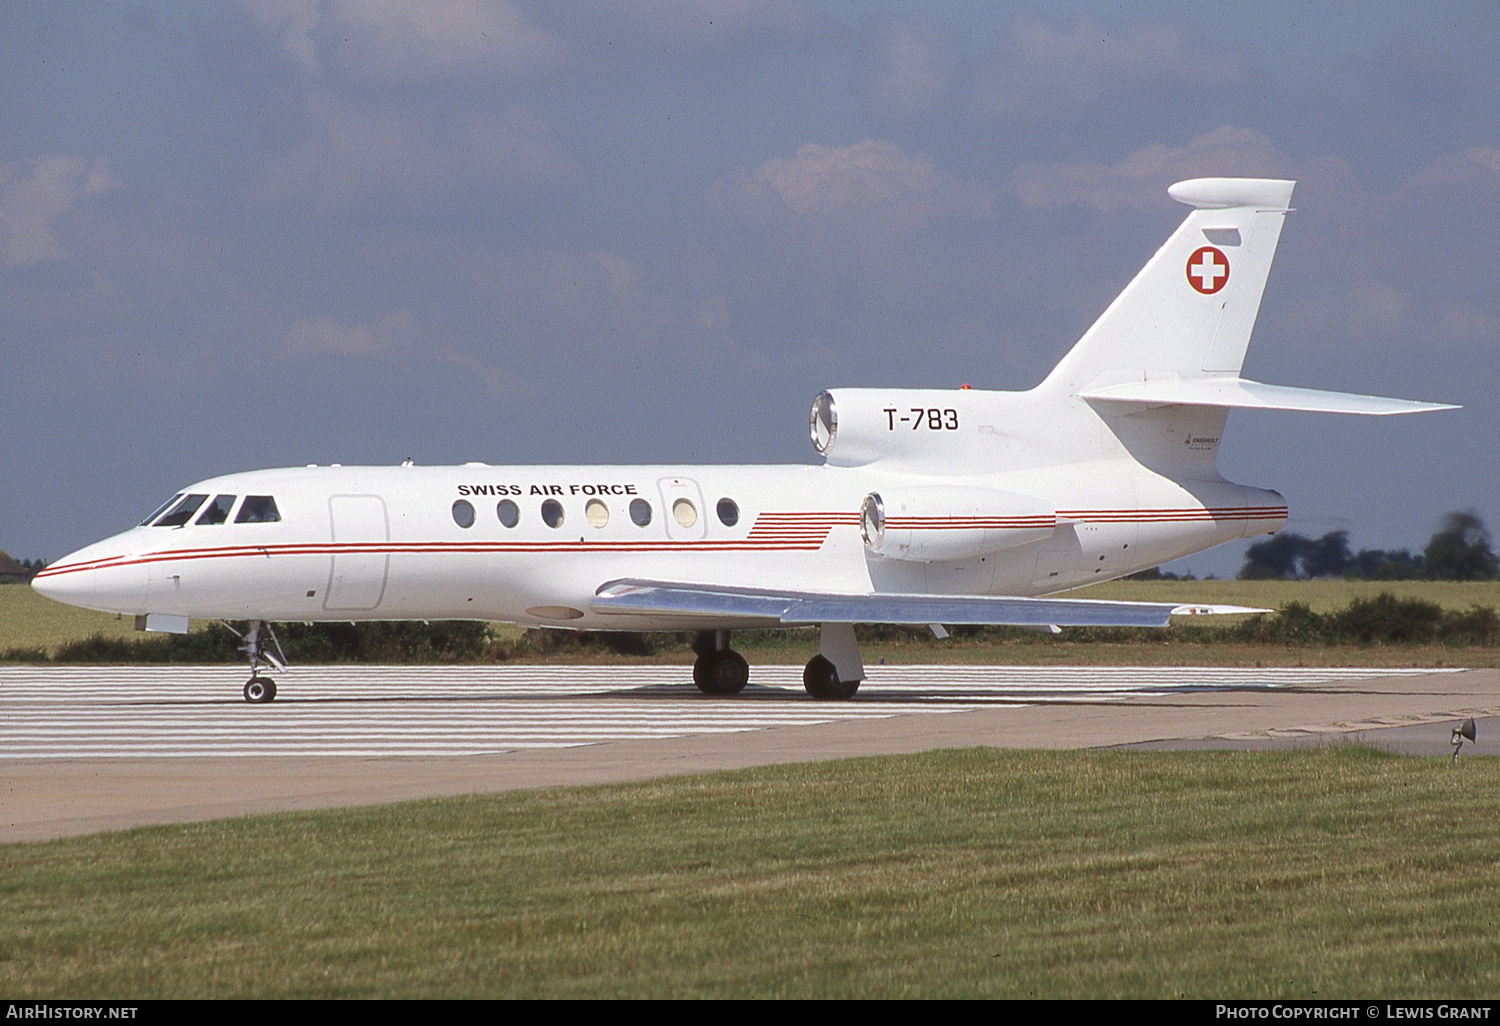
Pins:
x: 182, y: 512
x: 258, y: 509
x: 161, y: 509
x: 216, y: 512
x: 179, y: 510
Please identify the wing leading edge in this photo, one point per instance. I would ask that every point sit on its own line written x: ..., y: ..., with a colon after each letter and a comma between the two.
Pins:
x: 780, y: 608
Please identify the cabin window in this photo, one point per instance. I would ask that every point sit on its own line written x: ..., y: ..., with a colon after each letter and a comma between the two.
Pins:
x: 729, y: 512
x: 216, y: 512
x: 640, y: 512
x: 685, y: 513
x: 596, y: 513
x: 508, y: 512
x: 258, y: 509
x: 552, y: 513
x: 463, y: 513
x: 182, y: 512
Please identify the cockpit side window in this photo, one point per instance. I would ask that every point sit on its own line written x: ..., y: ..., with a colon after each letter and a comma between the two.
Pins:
x: 258, y: 509
x: 182, y: 512
x: 216, y: 512
x: 161, y: 509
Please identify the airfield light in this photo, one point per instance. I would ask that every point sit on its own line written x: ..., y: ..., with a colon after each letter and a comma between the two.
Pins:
x: 1463, y: 732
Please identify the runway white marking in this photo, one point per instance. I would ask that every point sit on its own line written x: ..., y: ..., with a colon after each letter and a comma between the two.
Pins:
x: 376, y: 711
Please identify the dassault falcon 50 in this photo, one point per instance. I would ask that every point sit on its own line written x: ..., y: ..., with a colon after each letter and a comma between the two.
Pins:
x: 932, y: 507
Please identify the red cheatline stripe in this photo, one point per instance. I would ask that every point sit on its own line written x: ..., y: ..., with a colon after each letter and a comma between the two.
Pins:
x: 798, y: 532
x: 1157, y: 516
x: 965, y: 523
x: 370, y: 549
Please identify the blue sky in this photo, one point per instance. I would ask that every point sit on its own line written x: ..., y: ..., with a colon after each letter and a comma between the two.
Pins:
x: 279, y: 232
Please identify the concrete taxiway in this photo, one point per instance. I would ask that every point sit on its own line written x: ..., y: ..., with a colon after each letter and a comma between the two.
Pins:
x: 106, y: 748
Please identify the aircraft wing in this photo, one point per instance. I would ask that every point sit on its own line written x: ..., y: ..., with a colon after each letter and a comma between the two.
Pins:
x: 779, y: 608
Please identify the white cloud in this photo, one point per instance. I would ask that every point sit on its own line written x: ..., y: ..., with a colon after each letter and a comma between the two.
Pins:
x: 1036, y: 69
x: 34, y: 196
x: 293, y: 22
x: 354, y: 157
x: 396, y: 337
x: 1463, y: 324
x: 322, y: 336
x: 1407, y: 267
x: 873, y: 182
x: 1141, y: 179
x: 407, y: 39
x: 912, y: 67
x: 582, y: 295
x: 699, y: 24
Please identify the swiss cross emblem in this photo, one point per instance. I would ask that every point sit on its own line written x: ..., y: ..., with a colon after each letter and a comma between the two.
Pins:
x: 1207, y: 270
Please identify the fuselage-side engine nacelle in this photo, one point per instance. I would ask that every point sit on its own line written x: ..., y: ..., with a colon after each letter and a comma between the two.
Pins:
x: 931, y: 524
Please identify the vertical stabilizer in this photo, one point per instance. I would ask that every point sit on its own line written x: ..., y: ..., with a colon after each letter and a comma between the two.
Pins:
x: 1188, y: 314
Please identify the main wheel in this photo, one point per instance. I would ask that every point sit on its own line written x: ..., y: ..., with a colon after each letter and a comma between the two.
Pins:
x: 821, y: 679
x: 260, y: 689
x: 724, y: 672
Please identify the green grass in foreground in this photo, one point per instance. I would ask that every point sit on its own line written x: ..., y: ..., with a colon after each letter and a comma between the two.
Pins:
x: 1340, y: 872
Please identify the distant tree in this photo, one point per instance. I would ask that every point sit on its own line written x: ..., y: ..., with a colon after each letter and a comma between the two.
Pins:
x: 1274, y: 558
x: 1328, y: 556
x: 1156, y: 573
x: 1461, y: 550
x: 1292, y: 556
x: 1385, y: 565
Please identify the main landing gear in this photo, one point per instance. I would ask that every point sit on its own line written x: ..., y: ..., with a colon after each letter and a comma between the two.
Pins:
x: 719, y: 670
x: 259, y: 688
x: 821, y: 679
x: 833, y: 674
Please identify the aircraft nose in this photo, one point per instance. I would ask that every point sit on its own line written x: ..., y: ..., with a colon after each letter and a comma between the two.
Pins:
x: 61, y: 584
x: 98, y: 576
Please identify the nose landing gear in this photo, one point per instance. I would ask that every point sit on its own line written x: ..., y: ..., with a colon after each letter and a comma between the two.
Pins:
x: 259, y: 688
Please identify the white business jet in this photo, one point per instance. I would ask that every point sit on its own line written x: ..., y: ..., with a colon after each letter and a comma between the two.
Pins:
x: 933, y: 507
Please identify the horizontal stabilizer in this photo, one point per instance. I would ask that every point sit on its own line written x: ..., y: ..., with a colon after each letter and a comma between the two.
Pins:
x: 1238, y: 393
x: 664, y: 598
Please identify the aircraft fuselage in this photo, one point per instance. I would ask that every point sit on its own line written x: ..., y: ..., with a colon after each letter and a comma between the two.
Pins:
x: 391, y: 542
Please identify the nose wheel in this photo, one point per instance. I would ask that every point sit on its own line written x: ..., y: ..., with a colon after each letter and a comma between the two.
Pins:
x: 260, y: 689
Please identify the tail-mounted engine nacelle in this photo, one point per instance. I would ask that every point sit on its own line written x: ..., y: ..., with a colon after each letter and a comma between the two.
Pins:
x: 855, y: 426
x: 935, y: 524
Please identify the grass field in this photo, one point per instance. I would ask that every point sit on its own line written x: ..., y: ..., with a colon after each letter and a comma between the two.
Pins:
x: 978, y: 873
x: 1323, y: 596
x: 30, y: 622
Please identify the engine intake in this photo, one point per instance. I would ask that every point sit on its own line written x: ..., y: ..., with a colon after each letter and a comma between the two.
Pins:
x: 855, y: 426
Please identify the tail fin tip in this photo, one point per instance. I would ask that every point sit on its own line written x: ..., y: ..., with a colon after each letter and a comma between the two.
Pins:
x: 1226, y: 193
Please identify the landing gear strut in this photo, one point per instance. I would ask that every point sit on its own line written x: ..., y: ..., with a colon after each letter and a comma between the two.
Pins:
x: 259, y: 688
x: 720, y: 670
